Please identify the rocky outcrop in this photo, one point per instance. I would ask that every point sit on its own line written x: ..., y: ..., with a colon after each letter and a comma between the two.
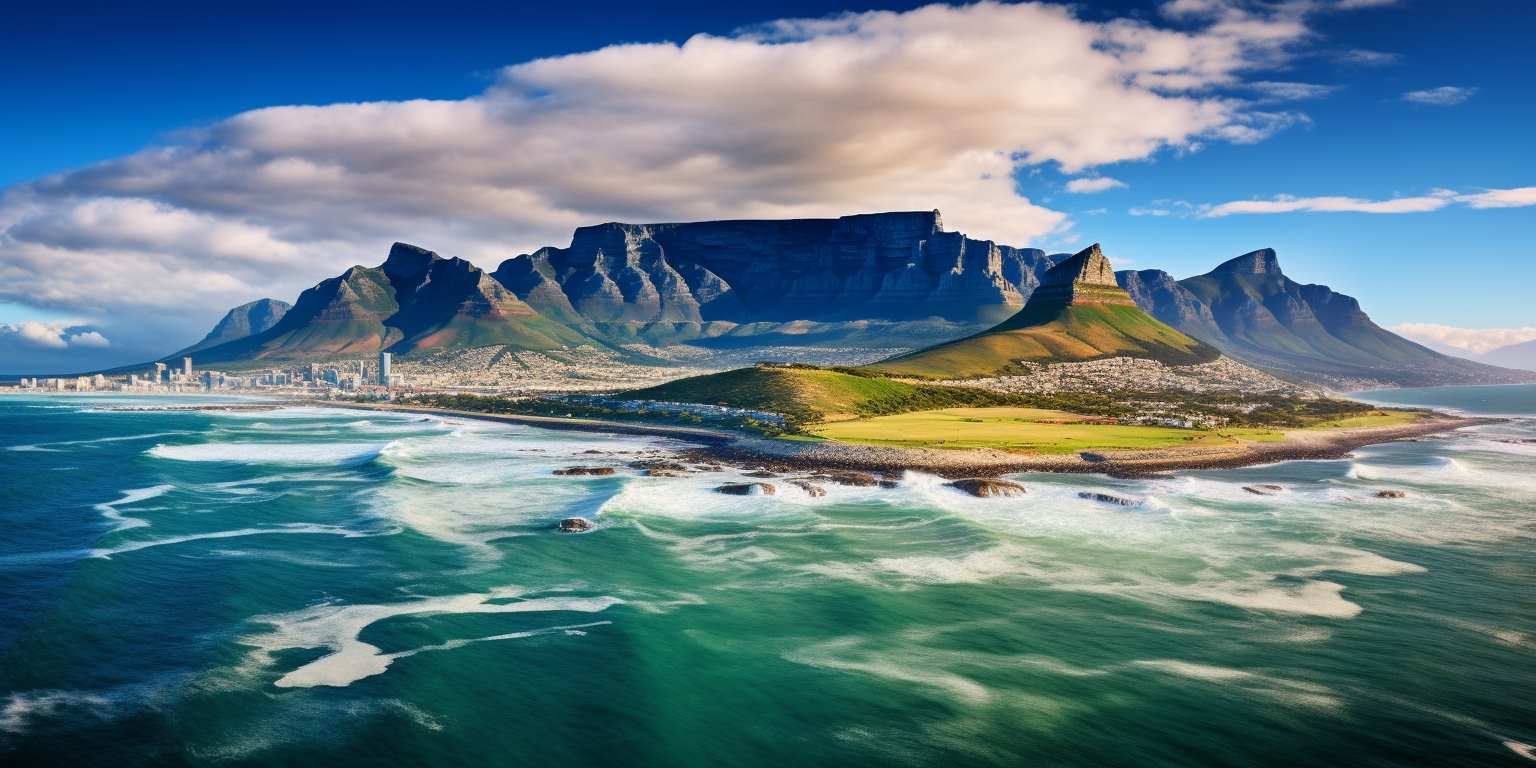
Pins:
x: 1109, y: 498
x: 575, y: 525
x: 683, y: 277
x: 747, y: 489
x: 985, y: 487
x: 1084, y: 278
x: 584, y: 472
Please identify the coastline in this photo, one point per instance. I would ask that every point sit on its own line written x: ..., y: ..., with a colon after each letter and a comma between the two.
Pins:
x: 1297, y: 445
x: 717, y: 446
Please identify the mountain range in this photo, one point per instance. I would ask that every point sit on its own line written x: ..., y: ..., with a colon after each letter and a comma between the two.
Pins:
x: 415, y: 300
x: 1077, y: 313
x: 1518, y: 355
x: 1248, y: 308
x: 884, y: 280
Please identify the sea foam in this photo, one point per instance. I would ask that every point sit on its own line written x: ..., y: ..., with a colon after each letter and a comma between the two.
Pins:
x: 338, y: 627
x: 271, y: 453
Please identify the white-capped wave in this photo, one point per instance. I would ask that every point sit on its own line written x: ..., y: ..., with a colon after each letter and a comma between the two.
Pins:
x: 271, y: 453
x: 1294, y: 692
x: 291, y: 528
x: 21, y: 708
x: 338, y: 627
x: 928, y: 669
x: 58, y: 446
x: 120, y: 521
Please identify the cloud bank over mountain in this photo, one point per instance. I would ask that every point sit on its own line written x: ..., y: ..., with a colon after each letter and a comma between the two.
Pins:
x: 933, y: 108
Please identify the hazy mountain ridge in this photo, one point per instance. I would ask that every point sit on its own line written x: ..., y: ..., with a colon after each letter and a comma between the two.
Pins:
x: 242, y: 321
x: 1251, y: 310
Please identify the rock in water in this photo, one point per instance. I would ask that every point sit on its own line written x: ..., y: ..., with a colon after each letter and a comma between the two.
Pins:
x: 747, y: 489
x: 575, y: 525
x: 590, y: 471
x: 1109, y: 498
x: 1263, y: 489
x: 856, y: 479
x: 811, y: 489
x: 987, y: 487
x: 1391, y: 494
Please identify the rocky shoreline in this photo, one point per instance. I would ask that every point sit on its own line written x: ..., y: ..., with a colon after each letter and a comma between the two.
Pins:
x: 723, y: 447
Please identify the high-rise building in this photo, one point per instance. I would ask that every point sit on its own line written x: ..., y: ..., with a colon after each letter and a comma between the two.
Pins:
x: 159, y: 373
x: 186, y: 367
x: 384, y: 362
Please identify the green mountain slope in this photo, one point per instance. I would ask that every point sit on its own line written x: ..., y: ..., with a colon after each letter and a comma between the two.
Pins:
x: 806, y: 395
x: 1077, y: 313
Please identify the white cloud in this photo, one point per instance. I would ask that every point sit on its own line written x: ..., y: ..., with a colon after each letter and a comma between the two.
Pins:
x: 1088, y: 185
x: 1444, y: 96
x: 92, y: 339
x: 1434, y: 201
x: 932, y: 108
x: 1474, y: 340
x: 49, y: 335
x: 1368, y: 58
x: 1501, y: 198
x: 1328, y: 204
x: 1279, y: 90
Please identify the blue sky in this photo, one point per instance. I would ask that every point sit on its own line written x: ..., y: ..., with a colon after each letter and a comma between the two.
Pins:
x: 91, y: 87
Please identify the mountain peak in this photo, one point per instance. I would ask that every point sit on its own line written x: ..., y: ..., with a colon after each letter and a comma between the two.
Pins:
x: 1260, y: 262
x: 1086, y: 267
x: 408, y: 261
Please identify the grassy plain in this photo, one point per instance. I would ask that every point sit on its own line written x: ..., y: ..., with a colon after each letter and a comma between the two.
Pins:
x: 1027, y: 430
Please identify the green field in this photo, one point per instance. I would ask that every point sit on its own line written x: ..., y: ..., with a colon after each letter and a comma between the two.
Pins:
x: 1025, y: 430
x: 1370, y: 419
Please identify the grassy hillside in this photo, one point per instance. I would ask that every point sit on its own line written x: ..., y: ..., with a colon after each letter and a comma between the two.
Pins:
x: 1054, y: 334
x: 807, y: 395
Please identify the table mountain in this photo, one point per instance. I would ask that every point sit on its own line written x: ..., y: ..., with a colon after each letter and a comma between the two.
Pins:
x: 1079, y: 312
x: 678, y: 282
x: 240, y: 322
x: 414, y: 300
x: 1249, y: 309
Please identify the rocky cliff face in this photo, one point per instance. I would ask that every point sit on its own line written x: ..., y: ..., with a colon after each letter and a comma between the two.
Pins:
x: 1249, y: 309
x: 240, y: 322
x: 888, y: 266
x: 1085, y: 277
x: 414, y: 300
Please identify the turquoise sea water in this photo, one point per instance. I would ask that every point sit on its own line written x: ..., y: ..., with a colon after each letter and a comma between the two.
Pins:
x: 324, y: 587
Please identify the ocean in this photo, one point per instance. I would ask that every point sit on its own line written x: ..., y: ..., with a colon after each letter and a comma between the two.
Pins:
x: 307, y: 586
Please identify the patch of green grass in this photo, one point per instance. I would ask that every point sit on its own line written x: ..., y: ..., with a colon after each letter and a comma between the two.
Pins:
x: 1369, y: 419
x: 1023, y: 430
